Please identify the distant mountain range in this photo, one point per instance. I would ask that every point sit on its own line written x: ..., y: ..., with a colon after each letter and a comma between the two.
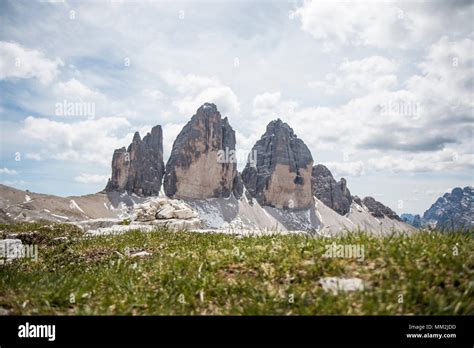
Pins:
x: 452, y: 211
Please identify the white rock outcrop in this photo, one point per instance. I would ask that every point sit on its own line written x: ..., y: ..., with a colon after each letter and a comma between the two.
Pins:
x: 171, y: 213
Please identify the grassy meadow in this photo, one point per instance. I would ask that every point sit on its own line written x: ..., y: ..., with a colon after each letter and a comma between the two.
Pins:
x: 188, y: 273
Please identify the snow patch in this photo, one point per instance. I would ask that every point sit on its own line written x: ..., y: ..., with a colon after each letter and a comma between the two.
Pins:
x: 74, y: 205
x: 211, y: 215
x: 60, y: 216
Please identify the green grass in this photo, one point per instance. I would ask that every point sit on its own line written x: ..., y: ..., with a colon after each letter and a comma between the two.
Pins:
x: 228, y: 274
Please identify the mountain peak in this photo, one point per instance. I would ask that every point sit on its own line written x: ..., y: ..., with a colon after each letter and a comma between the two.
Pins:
x: 136, y: 137
x: 207, y: 109
x: 281, y: 176
x: 454, y: 210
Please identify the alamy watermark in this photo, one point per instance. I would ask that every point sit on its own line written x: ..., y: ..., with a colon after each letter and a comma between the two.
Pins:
x: 401, y: 108
x: 237, y: 156
x: 13, y: 249
x: 67, y: 108
x: 37, y: 331
x: 347, y: 251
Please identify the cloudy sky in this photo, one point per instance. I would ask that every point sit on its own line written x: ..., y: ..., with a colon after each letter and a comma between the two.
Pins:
x: 381, y: 92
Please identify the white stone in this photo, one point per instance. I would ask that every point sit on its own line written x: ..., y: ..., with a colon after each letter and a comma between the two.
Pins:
x: 178, y: 225
x: 185, y: 213
x: 336, y: 284
x: 140, y: 254
x: 165, y: 213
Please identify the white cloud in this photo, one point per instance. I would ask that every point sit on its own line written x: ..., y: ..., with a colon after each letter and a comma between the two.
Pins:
x: 429, y: 119
x: 358, y: 77
x: 188, y: 83
x: 223, y: 96
x: 170, y: 132
x: 266, y: 100
x: 90, y: 140
x: 33, y: 156
x: 154, y: 94
x: 86, y: 178
x: 8, y: 171
x: 445, y: 160
x: 383, y: 24
x: 199, y: 90
x: 19, y: 62
x: 244, y: 144
x: 267, y: 107
x: 447, y: 74
x: 76, y: 90
x: 360, y: 23
x: 339, y: 169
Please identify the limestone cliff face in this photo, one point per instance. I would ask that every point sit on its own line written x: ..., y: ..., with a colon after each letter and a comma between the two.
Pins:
x: 139, y: 169
x: 198, y: 167
x: 281, y: 175
x: 334, y: 194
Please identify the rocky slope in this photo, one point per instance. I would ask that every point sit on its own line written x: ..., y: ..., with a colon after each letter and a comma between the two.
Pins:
x: 376, y: 208
x: 414, y: 220
x: 139, y: 169
x: 454, y: 210
x: 281, y: 175
x: 198, y: 166
x: 333, y: 194
x: 246, y: 214
x: 18, y: 206
x: 103, y: 213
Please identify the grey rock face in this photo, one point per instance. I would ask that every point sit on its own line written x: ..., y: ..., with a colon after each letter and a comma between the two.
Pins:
x: 414, y: 220
x: 356, y: 199
x: 417, y: 221
x: 238, y: 186
x: 281, y: 175
x: 334, y: 194
x: 454, y: 210
x: 379, y: 210
x: 198, y: 166
x: 139, y: 169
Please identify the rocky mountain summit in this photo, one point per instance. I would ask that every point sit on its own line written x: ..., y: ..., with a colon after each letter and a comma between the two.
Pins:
x: 279, y: 189
x: 197, y: 167
x: 280, y: 176
x: 414, y: 220
x: 376, y: 208
x: 453, y: 210
x: 334, y: 194
x: 139, y: 168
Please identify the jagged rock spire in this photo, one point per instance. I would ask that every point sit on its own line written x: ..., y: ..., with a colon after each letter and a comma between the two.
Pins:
x: 139, y: 169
